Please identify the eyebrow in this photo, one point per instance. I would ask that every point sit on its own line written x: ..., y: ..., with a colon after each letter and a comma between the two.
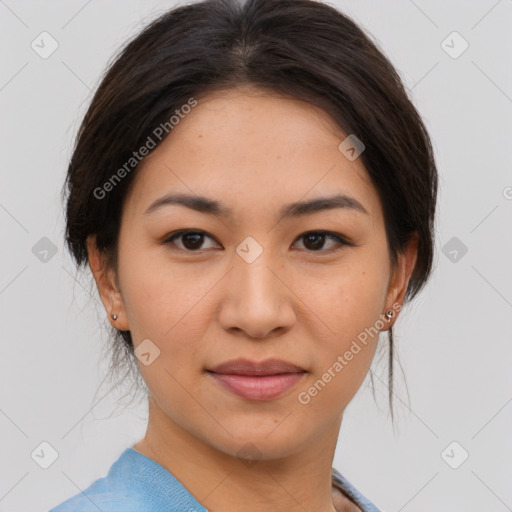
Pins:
x: 212, y: 207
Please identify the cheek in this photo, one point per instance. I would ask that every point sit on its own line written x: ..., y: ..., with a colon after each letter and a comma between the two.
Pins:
x: 353, y: 297
x: 350, y: 304
x: 158, y: 296
x: 169, y: 307
x: 165, y: 307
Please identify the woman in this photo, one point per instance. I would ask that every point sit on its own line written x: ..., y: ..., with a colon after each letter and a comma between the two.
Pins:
x: 255, y: 196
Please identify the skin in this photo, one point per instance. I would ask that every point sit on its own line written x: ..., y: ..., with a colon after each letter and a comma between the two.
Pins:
x: 253, y: 152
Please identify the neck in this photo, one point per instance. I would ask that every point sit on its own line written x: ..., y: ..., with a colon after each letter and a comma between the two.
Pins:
x: 219, y: 481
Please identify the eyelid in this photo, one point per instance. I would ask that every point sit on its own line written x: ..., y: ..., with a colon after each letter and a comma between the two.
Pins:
x: 341, y: 239
x: 168, y: 239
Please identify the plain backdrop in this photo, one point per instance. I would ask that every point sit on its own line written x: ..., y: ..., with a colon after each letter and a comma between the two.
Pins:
x: 454, y: 341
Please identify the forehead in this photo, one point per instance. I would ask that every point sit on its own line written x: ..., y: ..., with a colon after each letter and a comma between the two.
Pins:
x: 247, y: 147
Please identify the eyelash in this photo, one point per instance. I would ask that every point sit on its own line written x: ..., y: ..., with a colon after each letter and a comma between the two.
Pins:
x: 342, y: 242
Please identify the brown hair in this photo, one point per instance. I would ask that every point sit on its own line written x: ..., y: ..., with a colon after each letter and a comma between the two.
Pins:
x: 303, y: 49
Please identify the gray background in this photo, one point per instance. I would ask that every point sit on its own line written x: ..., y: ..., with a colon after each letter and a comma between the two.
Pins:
x: 454, y: 341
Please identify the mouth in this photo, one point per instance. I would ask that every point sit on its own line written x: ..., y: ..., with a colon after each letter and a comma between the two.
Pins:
x: 253, y: 380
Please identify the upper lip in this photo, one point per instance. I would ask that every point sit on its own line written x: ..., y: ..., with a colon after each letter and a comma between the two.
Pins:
x: 266, y: 367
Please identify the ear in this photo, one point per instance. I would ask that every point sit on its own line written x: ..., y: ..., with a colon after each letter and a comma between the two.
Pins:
x: 106, y: 282
x: 400, y: 279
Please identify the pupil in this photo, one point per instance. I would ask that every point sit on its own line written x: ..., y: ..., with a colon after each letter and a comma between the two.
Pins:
x: 319, y: 237
x: 190, y: 236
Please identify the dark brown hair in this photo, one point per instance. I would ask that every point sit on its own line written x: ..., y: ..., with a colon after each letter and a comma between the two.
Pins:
x: 302, y: 49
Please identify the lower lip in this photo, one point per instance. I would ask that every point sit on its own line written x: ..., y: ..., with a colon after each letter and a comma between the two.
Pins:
x: 258, y: 387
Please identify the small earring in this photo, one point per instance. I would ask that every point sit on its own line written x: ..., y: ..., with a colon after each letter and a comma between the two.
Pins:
x: 389, y: 314
x: 114, y: 316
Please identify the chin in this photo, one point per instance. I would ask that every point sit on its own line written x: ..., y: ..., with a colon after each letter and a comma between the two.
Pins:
x: 271, y: 442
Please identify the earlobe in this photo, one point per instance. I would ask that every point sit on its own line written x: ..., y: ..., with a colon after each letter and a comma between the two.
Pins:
x: 108, y: 290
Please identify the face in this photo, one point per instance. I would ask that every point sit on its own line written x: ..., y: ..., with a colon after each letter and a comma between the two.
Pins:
x: 243, y: 275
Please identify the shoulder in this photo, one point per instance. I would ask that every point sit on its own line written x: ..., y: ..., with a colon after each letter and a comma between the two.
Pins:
x: 134, y: 483
x: 114, y: 492
x: 99, y: 496
x: 349, y: 490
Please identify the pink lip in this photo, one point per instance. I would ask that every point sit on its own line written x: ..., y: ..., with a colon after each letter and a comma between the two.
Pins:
x: 257, y: 380
x: 262, y: 387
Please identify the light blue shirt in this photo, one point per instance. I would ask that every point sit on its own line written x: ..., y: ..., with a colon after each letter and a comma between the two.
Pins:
x: 136, y: 483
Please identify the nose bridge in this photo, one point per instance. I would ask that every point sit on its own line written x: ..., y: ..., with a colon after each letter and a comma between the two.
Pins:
x: 257, y: 299
x: 252, y: 275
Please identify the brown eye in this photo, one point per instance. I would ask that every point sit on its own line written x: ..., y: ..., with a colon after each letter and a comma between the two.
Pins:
x: 190, y: 240
x: 314, y: 241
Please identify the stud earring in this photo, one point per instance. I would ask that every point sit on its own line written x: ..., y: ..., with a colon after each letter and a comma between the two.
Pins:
x: 114, y: 316
x: 389, y: 314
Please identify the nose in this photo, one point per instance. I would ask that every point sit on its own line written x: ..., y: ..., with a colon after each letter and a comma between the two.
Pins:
x: 256, y: 299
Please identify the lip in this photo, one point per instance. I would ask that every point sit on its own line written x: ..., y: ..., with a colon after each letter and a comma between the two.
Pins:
x: 253, y: 380
x: 248, y: 367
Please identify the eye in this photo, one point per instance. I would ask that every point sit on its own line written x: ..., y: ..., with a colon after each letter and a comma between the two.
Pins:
x: 315, y: 240
x: 191, y: 240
